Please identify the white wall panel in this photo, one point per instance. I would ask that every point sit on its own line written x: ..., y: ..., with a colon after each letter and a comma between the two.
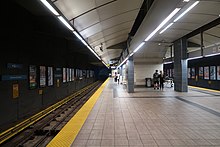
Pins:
x: 145, y: 70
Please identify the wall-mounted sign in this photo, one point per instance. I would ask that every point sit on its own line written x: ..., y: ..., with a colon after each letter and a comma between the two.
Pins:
x: 58, y: 82
x: 64, y: 75
x: 50, y: 76
x: 15, y: 92
x: 32, y: 76
x: 40, y: 92
x: 212, y: 72
x: 42, y: 76
x: 218, y: 72
x: 58, y: 73
x: 12, y: 65
x: 13, y: 77
x: 58, y: 76
x: 206, y: 73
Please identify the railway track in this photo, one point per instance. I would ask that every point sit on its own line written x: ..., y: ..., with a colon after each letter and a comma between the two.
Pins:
x: 40, y: 129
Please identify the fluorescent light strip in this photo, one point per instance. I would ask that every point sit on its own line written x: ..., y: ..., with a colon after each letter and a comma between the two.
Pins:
x: 168, y: 62
x: 212, y: 55
x: 65, y: 23
x: 195, y: 58
x: 77, y: 35
x: 162, y: 24
x: 187, y: 10
x: 185, y: 0
x: 104, y: 64
x: 123, y: 62
x: 166, y: 28
x: 49, y: 7
x: 131, y: 54
x: 93, y: 52
x: 86, y: 44
x: 138, y: 47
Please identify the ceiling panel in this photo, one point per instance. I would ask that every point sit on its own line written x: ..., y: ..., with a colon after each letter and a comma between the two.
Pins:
x: 73, y: 8
x: 110, y: 24
x: 85, y: 21
x: 119, y: 7
x: 115, y: 41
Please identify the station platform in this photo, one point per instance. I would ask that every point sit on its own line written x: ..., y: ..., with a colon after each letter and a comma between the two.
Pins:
x: 147, y: 117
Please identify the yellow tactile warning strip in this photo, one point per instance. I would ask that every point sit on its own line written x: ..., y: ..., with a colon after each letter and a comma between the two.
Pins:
x: 206, y: 89
x: 68, y: 133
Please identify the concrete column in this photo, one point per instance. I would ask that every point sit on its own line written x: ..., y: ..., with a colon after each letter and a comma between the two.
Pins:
x: 180, y: 65
x: 130, y: 74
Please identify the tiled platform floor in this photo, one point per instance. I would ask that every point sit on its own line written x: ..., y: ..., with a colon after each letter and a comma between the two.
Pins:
x: 152, y: 118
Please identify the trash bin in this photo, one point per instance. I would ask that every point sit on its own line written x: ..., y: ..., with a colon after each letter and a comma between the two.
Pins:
x: 148, y: 82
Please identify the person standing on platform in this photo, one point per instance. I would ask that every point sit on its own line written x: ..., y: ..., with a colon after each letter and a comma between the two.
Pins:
x: 161, y: 76
x: 115, y: 77
x: 118, y: 77
x: 156, y: 79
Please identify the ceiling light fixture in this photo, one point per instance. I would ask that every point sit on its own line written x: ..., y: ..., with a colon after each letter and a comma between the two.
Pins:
x: 168, y: 62
x: 212, y: 55
x: 77, y: 35
x: 187, y: 10
x: 185, y: 0
x: 163, y: 23
x: 195, y: 58
x: 86, y: 44
x: 166, y: 28
x: 138, y: 47
x: 122, y: 62
x: 49, y: 7
x: 93, y: 52
x: 65, y: 23
x: 131, y: 54
x: 69, y: 27
x: 105, y: 64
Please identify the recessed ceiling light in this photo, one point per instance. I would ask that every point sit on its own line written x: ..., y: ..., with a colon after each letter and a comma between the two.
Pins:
x: 185, y: 0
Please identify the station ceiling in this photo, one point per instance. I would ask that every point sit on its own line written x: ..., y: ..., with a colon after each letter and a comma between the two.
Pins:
x: 104, y: 24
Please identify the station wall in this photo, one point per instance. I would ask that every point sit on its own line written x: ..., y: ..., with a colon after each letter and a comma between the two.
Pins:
x: 203, y: 72
x: 26, y: 40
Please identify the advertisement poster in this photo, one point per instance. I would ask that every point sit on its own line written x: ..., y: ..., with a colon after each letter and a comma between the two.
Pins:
x: 87, y: 74
x: 84, y: 73
x: 91, y: 73
x: 42, y: 76
x: 70, y: 71
x: 189, y: 73
x: 206, y: 73
x: 218, y: 72
x: 193, y: 73
x: 212, y: 73
x: 73, y: 76
x: 32, y: 77
x: 200, y: 72
x: 50, y: 76
x: 64, y: 75
x: 67, y: 75
x: 80, y: 74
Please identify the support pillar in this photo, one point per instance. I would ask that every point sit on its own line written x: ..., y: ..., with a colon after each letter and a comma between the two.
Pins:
x: 180, y: 65
x: 130, y: 74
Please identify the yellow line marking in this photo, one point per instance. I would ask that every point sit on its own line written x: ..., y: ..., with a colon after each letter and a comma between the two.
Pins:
x: 206, y: 89
x: 68, y: 133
